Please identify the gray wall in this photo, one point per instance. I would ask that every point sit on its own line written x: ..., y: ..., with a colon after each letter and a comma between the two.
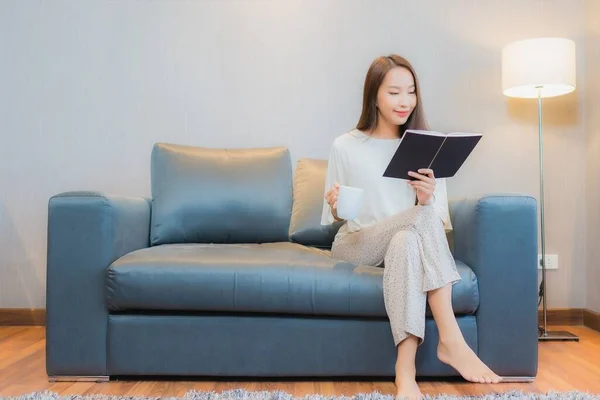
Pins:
x: 89, y: 86
x: 592, y: 125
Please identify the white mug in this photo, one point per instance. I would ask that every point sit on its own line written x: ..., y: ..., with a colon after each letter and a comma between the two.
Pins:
x: 349, y: 202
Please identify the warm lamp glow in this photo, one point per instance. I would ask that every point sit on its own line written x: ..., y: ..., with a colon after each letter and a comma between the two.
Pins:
x: 533, y: 67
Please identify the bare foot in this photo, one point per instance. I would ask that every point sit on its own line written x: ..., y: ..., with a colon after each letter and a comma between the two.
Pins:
x: 460, y: 356
x: 408, y: 389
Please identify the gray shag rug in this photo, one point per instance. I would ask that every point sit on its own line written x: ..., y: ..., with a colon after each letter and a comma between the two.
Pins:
x: 242, y: 394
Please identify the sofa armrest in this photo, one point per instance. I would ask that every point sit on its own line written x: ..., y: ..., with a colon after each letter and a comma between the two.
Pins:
x: 87, y: 231
x: 497, y: 237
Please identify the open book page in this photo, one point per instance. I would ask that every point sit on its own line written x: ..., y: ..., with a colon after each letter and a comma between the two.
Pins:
x: 442, y: 134
x: 432, y: 133
x: 463, y: 134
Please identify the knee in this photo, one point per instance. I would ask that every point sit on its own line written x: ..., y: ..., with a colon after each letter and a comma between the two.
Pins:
x: 427, y: 218
x: 404, y: 246
x: 403, y: 240
x: 427, y: 210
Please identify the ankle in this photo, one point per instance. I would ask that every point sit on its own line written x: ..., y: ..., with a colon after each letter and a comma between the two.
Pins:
x: 450, y: 341
x: 403, y: 381
x: 406, y: 373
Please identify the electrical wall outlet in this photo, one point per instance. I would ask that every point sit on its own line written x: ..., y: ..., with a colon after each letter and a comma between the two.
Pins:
x: 551, y: 261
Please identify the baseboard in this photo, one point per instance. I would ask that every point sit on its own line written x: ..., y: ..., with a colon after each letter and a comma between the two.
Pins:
x: 591, y: 319
x: 22, y: 316
x: 561, y: 316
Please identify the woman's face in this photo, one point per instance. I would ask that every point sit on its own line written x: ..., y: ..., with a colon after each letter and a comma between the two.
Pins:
x: 396, y: 97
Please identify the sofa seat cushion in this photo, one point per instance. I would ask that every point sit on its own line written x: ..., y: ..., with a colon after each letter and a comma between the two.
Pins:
x: 279, y: 277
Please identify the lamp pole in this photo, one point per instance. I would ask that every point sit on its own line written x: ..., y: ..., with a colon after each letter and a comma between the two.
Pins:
x: 546, y: 335
x: 543, y: 260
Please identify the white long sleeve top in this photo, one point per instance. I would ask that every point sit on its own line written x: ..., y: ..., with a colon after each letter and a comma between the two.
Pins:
x: 359, y: 160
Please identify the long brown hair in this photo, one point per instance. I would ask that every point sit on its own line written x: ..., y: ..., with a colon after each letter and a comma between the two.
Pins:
x: 377, y: 71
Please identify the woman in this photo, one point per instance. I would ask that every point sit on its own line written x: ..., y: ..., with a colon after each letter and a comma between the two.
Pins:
x: 402, y: 224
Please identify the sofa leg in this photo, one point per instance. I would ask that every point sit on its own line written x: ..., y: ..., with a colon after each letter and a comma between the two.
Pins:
x: 78, y: 378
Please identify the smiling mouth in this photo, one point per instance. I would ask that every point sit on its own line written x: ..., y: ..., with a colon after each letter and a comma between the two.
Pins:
x: 401, y: 113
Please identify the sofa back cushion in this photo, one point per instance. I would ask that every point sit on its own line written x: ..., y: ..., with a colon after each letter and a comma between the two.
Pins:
x: 206, y: 195
x: 309, y: 195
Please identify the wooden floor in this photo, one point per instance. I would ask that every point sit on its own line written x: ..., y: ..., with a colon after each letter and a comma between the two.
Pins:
x: 562, y: 366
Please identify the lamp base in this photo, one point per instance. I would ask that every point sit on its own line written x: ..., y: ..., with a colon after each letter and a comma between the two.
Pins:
x: 557, y: 336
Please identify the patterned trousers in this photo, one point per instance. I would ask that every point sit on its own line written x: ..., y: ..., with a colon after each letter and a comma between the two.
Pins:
x: 413, y: 248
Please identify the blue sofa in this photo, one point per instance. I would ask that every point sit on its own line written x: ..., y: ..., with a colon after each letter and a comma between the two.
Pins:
x: 226, y: 271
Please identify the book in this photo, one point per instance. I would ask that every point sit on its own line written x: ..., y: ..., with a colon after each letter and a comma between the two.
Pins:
x: 444, y: 153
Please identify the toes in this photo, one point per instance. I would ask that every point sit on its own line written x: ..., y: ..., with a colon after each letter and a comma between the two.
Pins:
x: 493, y: 379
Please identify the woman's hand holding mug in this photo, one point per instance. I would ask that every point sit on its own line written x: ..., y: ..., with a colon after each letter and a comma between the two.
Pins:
x: 345, y: 201
x: 331, y: 197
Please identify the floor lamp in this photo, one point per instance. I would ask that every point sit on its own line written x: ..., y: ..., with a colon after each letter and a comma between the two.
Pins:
x: 535, y: 69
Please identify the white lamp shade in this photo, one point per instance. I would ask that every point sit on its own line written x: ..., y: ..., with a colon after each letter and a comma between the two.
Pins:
x: 544, y: 66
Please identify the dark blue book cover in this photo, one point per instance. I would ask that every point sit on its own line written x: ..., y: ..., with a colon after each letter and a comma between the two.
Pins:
x: 441, y: 152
